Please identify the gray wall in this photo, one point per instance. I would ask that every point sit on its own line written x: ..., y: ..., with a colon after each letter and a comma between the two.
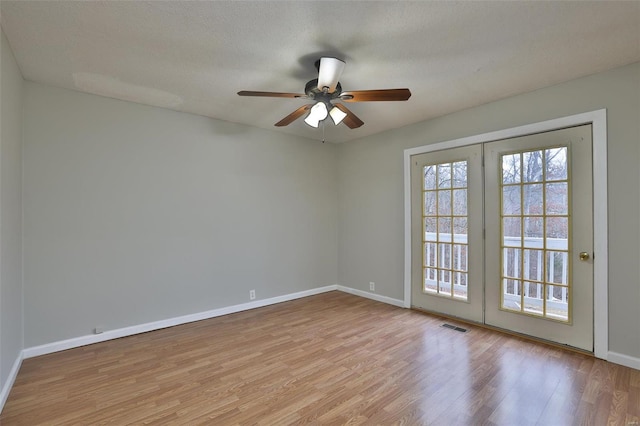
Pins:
x: 371, y: 187
x: 135, y: 214
x: 11, y: 318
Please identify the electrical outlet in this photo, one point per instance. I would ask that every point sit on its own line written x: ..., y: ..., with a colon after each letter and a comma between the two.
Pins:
x: 372, y: 286
x: 252, y: 294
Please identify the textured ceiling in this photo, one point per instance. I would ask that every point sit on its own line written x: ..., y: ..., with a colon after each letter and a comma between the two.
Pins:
x: 195, y: 56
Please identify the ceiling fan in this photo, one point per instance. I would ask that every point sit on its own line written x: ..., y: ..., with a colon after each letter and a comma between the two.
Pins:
x: 326, y: 89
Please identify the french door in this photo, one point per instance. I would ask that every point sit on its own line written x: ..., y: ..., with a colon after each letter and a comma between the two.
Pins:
x: 509, y: 243
x: 447, y: 232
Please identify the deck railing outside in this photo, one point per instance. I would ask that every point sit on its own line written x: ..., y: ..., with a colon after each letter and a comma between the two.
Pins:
x: 512, y: 265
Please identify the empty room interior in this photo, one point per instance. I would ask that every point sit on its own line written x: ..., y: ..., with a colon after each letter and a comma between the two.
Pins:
x: 268, y: 212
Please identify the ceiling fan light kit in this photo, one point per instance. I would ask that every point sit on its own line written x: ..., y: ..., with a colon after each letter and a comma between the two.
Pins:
x: 325, y: 89
x: 317, y: 113
x: 337, y: 115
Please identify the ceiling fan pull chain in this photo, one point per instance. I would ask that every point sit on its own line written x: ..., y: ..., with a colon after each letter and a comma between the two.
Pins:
x: 323, y: 122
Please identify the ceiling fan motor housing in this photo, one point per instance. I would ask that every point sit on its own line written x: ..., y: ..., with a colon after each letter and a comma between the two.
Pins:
x: 312, y: 91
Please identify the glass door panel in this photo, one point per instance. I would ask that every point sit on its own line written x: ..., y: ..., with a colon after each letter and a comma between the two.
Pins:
x: 537, y: 192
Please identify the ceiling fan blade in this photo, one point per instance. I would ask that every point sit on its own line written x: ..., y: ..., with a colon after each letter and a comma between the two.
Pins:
x: 376, y: 95
x: 293, y: 116
x: 271, y: 94
x: 329, y: 73
x: 351, y: 120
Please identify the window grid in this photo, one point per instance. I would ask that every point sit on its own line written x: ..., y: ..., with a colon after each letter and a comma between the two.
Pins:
x: 445, y: 252
x: 516, y: 267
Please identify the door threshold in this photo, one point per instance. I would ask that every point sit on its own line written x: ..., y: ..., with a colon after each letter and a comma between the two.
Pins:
x: 503, y: 331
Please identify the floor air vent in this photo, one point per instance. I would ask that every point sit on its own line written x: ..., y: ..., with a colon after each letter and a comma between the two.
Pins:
x: 453, y: 327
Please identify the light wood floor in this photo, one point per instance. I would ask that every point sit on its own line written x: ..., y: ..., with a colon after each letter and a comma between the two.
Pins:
x: 327, y: 359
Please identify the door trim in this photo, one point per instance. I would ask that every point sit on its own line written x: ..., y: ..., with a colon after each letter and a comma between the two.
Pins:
x: 598, y: 119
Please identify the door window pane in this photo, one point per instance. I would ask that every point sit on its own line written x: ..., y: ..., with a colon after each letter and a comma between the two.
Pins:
x: 444, y: 175
x: 511, y: 200
x: 430, y: 280
x: 430, y: 254
x: 532, y: 166
x: 557, y: 266
x: 557, y: 233
x: 511, y: 167
x: 533, y: 298
x: 429, y: 173
x: 444, y: 229
x: 430, y: 228
x: 533, y: 265
x: 511, y: 232
x: 460, y: 228
x: 558, y: 302
x: 460, y: 202
x: 460, y: 174
x: 511, y: 262
x: 556, y: 198
x: 532, y: 201
x: 556, y: 163
x: 444, y: 203
x: 512, y: 295
x: 533, y: 231
x: 430, y: 200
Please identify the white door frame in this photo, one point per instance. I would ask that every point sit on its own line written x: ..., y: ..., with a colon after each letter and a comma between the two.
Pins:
x: 598, y: 119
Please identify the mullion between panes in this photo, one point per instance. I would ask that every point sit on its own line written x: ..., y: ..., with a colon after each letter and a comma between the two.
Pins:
x: 543, y: 154
x: 450, y: 217
x: 544, y: 232
x: 547, y: 283
x: 522, y: 233
x: 524, y: 215
x: 440, y: 271
x: 437, y: 268
x: 437, y: 216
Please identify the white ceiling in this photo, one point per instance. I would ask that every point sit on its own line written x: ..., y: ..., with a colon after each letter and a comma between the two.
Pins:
x: 195, y: 56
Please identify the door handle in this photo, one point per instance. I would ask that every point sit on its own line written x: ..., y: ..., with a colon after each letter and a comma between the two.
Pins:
x: 584, y: 256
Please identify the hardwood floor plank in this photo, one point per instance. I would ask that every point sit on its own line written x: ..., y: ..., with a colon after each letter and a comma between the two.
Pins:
x: 333, y: 358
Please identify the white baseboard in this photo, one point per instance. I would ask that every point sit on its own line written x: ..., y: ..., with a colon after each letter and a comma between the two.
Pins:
x: 626, y: 360
x: 157, y: 325
x: 373, y: 296
x: 4, y: 394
